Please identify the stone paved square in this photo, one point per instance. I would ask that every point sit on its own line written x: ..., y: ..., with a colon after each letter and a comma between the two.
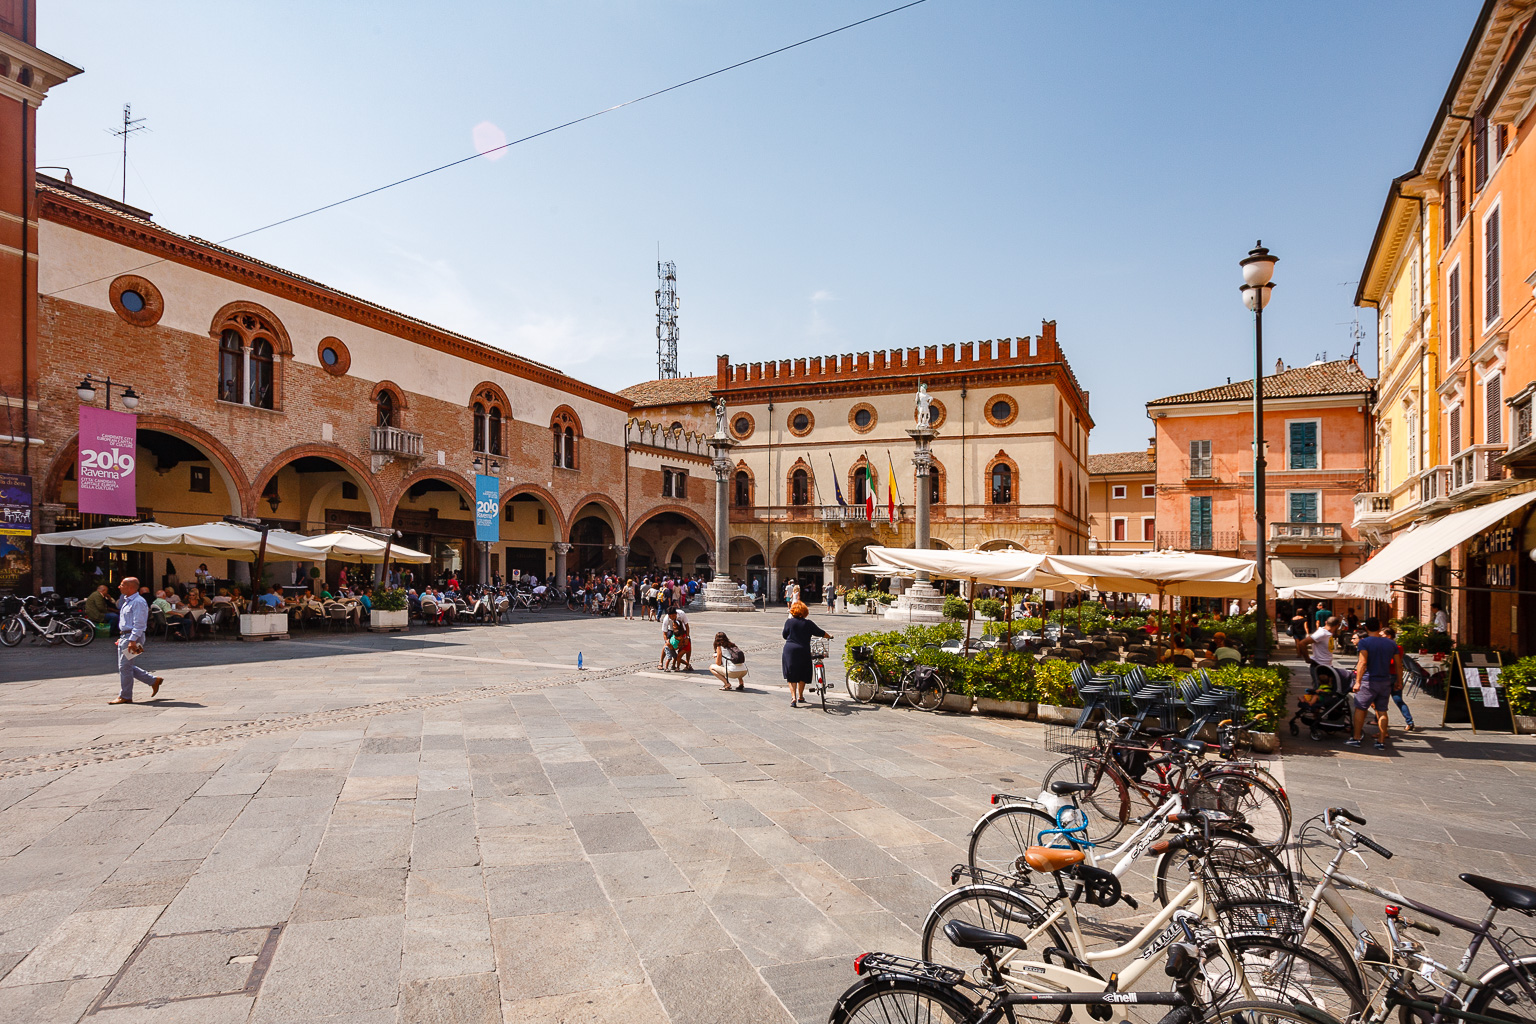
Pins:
x: 450, y: 830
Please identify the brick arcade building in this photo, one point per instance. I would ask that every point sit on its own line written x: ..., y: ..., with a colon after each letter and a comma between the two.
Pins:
x: 266, y: 394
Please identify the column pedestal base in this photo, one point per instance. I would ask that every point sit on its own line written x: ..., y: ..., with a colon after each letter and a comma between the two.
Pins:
x: 722, y: 595
x: 918, y: 603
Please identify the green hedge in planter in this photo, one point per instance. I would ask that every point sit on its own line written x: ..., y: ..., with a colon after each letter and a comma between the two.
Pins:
x: 991, y: 607
x: 999, y: 675
x: 863, y: 596
x: 954, y: 608
x: 389, y: 600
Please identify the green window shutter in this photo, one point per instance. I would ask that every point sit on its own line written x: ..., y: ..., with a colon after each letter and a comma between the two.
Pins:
x: 1303, y: 445
x: 1200, y: 524
x: 1304, y: 507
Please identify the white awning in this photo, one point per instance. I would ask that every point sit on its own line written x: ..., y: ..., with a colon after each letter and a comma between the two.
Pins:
x: 1422, y: 545
x: 1318, y: 590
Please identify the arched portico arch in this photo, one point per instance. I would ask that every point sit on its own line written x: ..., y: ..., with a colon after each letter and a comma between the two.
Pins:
x: 324, y: 464
x: 221, y: 461
x: 671, y: 537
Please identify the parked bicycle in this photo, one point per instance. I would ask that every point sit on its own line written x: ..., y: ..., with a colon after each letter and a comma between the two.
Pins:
x: 894, y: 989
x: 820, y: 649
x: 46, y: 620
x: 1403, y: 977
x: 1115, y: 756
x: 1219, y: 908
x: 923, y: 686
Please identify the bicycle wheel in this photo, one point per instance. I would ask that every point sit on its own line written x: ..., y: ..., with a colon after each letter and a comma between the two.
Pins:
x: 862, y: 682
x: 821, y: 684
x: 998, y: 909
x: 926, y: 693
x: 1504, y: 997
x: 1108, y: 803
x: 884, y: 1000
x: 12, y: 630
x: 78, y: 632
x: 1251, y: 1011
x: 1001, y: 838
x: 1261, y: 807
x: 1278, y: 971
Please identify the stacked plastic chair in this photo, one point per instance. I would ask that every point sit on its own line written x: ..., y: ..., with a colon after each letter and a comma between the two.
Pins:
x: 1206, y: 702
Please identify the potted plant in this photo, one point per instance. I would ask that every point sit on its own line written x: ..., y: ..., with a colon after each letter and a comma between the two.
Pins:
x: 391, y: 611
x: 1010, y: 690
x: 260, y: 622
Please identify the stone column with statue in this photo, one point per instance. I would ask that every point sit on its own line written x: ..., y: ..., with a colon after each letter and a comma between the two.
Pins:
x: 920, y: 602
x: 721, y: 594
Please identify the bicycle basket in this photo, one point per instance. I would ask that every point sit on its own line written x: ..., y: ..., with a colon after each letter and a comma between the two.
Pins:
x: 863, y: 652
x: 1259, y: 917
x: 1068, y: 739
x: 820, y: 647
x: 1238, y: 874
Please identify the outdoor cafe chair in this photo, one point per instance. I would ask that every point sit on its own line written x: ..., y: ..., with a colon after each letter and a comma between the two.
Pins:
x: 428, y: 611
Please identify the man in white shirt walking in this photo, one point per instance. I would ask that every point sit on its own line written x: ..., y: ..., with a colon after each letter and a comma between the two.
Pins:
x: 132, y: 618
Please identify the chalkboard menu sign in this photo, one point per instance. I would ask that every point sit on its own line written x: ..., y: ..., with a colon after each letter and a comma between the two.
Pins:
x: 1474, y: 693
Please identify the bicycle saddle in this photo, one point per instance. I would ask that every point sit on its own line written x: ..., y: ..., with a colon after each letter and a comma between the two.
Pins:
x: 1061, y: 787
x: 968, y: 936
x: 1189, y: 746
x: 1051, y: 858
x: 1504, y: 895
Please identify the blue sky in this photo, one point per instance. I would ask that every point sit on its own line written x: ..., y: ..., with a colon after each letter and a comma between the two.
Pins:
x: 958, y: 171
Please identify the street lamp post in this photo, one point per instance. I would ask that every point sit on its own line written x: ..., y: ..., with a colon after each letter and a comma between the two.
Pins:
x: 1258, y: 268
x: 86, y: 390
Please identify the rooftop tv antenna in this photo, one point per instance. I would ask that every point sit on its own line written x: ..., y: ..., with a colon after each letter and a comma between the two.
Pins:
x: 666, y: 320
x: 131, y: 125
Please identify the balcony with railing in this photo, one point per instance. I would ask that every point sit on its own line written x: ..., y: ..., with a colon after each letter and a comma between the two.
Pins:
x: 1521, y: 456
x: 1372, y: 508
x: 1184, y: 540
x: 389, y: 443
x: 1476, y: 466
x: 1281, y: 534
x: 1435, y: 487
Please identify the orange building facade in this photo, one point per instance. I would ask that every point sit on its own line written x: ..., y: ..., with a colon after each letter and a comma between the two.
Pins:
x: 1316, y: 428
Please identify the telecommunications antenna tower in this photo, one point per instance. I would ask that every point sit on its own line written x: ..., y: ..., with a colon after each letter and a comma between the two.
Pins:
x: 666, y: 320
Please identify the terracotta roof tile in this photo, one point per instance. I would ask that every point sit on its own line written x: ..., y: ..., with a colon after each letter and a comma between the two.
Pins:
x: 1338, y: 377
x: 670, y: 391
x: 1120, y: 462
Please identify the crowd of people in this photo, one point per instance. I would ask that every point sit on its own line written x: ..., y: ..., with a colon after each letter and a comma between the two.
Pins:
x: 1360, y: 657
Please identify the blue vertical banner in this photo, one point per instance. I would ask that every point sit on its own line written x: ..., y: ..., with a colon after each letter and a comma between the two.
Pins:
x: 487, y: 505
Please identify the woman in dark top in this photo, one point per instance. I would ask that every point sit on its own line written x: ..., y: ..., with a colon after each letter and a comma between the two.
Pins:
x: 798, y: 631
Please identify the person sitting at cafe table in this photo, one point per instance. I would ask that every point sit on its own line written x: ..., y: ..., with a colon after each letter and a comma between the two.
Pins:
x: 1222, y: 649
x: 1180, y: 648
x: 272, y: 598
x: 100, y: 608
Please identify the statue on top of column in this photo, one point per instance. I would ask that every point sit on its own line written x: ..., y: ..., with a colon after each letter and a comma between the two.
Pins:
x: 924, y: 405
x: 720, y: 418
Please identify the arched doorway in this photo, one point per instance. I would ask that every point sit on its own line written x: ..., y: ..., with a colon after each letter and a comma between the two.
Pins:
x: 850, y: 555
x: 592, y: 545
x: 181, y: 480
x: 799, y: 559
x: 748, y: 564
x: 306, y: 491
x: 673, y: 542
x: 436, y: 514
x: 530, y: 527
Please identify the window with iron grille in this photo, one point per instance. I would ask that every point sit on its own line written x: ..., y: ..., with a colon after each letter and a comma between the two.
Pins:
x: 1199, y: 458
x: 1493, y: 403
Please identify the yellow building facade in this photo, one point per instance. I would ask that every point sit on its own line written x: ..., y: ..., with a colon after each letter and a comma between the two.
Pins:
x: 1400, y: 281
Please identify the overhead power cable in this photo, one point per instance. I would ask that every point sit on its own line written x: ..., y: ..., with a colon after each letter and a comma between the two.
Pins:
x: 526, y: 138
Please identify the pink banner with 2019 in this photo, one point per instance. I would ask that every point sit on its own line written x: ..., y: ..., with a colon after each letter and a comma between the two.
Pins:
x: 105, y: 472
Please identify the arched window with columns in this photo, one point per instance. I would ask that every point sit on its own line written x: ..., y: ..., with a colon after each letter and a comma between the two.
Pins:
x: 251, y: 346
x: 566, y: 431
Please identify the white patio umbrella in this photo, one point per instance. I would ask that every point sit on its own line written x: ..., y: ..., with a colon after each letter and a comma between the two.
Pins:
x: 211, y: 540
x: 1010, y: 568
x: 1176, y: 573
x: 356, y: 547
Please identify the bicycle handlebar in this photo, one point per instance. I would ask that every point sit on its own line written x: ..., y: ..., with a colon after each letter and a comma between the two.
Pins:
x: 1374, y: 846
x: 1345, y: 813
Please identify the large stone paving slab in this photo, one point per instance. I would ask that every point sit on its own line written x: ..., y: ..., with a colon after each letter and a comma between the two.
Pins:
x: 451, y: 827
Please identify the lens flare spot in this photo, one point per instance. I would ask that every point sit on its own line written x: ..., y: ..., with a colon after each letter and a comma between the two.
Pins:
x: 489, y: 140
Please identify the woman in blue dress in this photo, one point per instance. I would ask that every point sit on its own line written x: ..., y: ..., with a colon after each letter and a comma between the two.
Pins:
x: 798, y: 631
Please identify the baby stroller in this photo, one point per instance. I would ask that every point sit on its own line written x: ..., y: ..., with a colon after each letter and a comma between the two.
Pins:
x: 1324, y: 707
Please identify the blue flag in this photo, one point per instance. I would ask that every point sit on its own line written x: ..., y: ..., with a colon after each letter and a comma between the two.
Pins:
x: 836, y: 488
